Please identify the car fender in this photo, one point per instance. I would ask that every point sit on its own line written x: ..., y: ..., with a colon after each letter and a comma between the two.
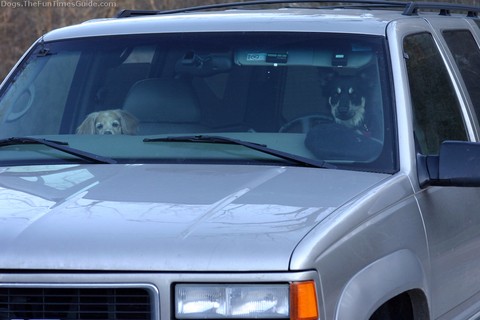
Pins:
x: 378, y: 282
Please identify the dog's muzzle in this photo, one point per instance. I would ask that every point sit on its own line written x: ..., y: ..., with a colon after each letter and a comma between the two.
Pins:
x: 343, y: 111
x: 345, y: 105
x: 342, y: 107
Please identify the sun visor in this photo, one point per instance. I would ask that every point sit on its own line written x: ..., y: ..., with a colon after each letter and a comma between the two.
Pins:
x: 319, y: 58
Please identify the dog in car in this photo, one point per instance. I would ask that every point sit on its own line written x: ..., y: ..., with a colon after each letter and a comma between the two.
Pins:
x: 347, y: 101
x: 113, y: 121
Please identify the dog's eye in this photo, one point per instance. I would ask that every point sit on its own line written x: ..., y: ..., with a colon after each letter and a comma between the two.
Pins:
x: 339, y: 90
x: 115, y: 124
x: 350, y: 90
x: 99, y: 126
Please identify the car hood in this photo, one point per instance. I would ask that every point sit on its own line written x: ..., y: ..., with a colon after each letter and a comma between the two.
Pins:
x: 165, y: 217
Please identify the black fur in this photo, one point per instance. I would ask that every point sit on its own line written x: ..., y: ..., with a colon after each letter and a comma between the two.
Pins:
x: 347, y: 101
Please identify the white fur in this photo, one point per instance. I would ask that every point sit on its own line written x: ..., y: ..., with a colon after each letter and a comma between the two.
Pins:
x: 358, y: 117
x: 109, y: 122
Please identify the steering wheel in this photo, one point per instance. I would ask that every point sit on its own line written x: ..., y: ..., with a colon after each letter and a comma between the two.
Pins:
x: 305, y: 123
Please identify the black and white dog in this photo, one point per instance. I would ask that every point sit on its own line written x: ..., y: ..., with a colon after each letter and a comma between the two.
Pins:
x: 347, y: 99
x: 348, y: 136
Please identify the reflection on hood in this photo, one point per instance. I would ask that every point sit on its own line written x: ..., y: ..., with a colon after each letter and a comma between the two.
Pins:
x: 94, y: 216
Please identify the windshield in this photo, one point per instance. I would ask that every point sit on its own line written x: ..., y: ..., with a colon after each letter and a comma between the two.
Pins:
x: 317, y: 96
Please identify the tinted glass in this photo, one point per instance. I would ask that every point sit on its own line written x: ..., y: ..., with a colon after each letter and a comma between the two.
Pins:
x: 436, y: 108
x: 466, y: 52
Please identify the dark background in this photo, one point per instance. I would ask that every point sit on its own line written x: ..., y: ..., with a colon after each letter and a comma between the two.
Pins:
x: 24, y: 21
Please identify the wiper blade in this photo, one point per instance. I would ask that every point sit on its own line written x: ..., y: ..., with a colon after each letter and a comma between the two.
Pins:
x: 57, y: 145
x: 251, y: 145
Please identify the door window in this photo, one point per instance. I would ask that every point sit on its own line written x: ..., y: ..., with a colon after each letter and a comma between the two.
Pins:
x: 466, y: 53
x: 436, y: 109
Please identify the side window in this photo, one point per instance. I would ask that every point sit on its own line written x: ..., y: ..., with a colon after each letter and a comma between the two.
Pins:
x: 466, y: 52
x: 436, y: 109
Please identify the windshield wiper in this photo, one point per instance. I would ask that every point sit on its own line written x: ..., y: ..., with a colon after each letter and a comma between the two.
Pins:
x: 57, y: 145
x: 251, y: 145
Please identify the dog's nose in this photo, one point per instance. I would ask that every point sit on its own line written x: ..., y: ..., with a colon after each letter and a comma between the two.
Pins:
x: 108, y: 132
x: 343, y: 107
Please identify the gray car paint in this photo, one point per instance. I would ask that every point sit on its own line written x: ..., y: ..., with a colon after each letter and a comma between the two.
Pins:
x: 129, y: 215
x: 365, y: 234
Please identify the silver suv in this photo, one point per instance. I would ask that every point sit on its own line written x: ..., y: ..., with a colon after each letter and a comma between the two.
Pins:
x: 236, y: 162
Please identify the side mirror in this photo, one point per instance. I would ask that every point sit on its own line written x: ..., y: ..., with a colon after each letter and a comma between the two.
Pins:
x: 457, y: 165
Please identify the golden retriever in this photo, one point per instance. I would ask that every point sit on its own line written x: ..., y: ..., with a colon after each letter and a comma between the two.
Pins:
x: 115, y: 121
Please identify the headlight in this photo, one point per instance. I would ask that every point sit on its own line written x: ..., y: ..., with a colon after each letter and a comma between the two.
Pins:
x: 260, y: 301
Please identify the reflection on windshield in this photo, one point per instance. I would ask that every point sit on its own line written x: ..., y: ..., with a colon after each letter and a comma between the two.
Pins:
x: 329, y: 90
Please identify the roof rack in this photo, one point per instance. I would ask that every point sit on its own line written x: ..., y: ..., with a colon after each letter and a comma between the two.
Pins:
x: 444, y: 8
x: 410, y: 7
x: 133, y: 13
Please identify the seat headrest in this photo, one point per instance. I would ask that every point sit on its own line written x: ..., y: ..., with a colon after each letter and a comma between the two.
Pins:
x: 162, y: 100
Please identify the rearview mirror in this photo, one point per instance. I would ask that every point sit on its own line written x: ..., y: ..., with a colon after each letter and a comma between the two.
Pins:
x: 457, y: 165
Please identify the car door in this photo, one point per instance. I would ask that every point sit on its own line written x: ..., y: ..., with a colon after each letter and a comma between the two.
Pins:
x: 451, y: 214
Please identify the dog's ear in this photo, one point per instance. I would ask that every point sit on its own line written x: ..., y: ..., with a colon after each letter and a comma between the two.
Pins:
x: 328, y: 83
x: 128, y: 122
x: 368, y: 78
x: 326, y: 78
x: 88, y: 125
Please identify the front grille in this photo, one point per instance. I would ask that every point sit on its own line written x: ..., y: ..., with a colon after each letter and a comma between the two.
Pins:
x: 74, y: 303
